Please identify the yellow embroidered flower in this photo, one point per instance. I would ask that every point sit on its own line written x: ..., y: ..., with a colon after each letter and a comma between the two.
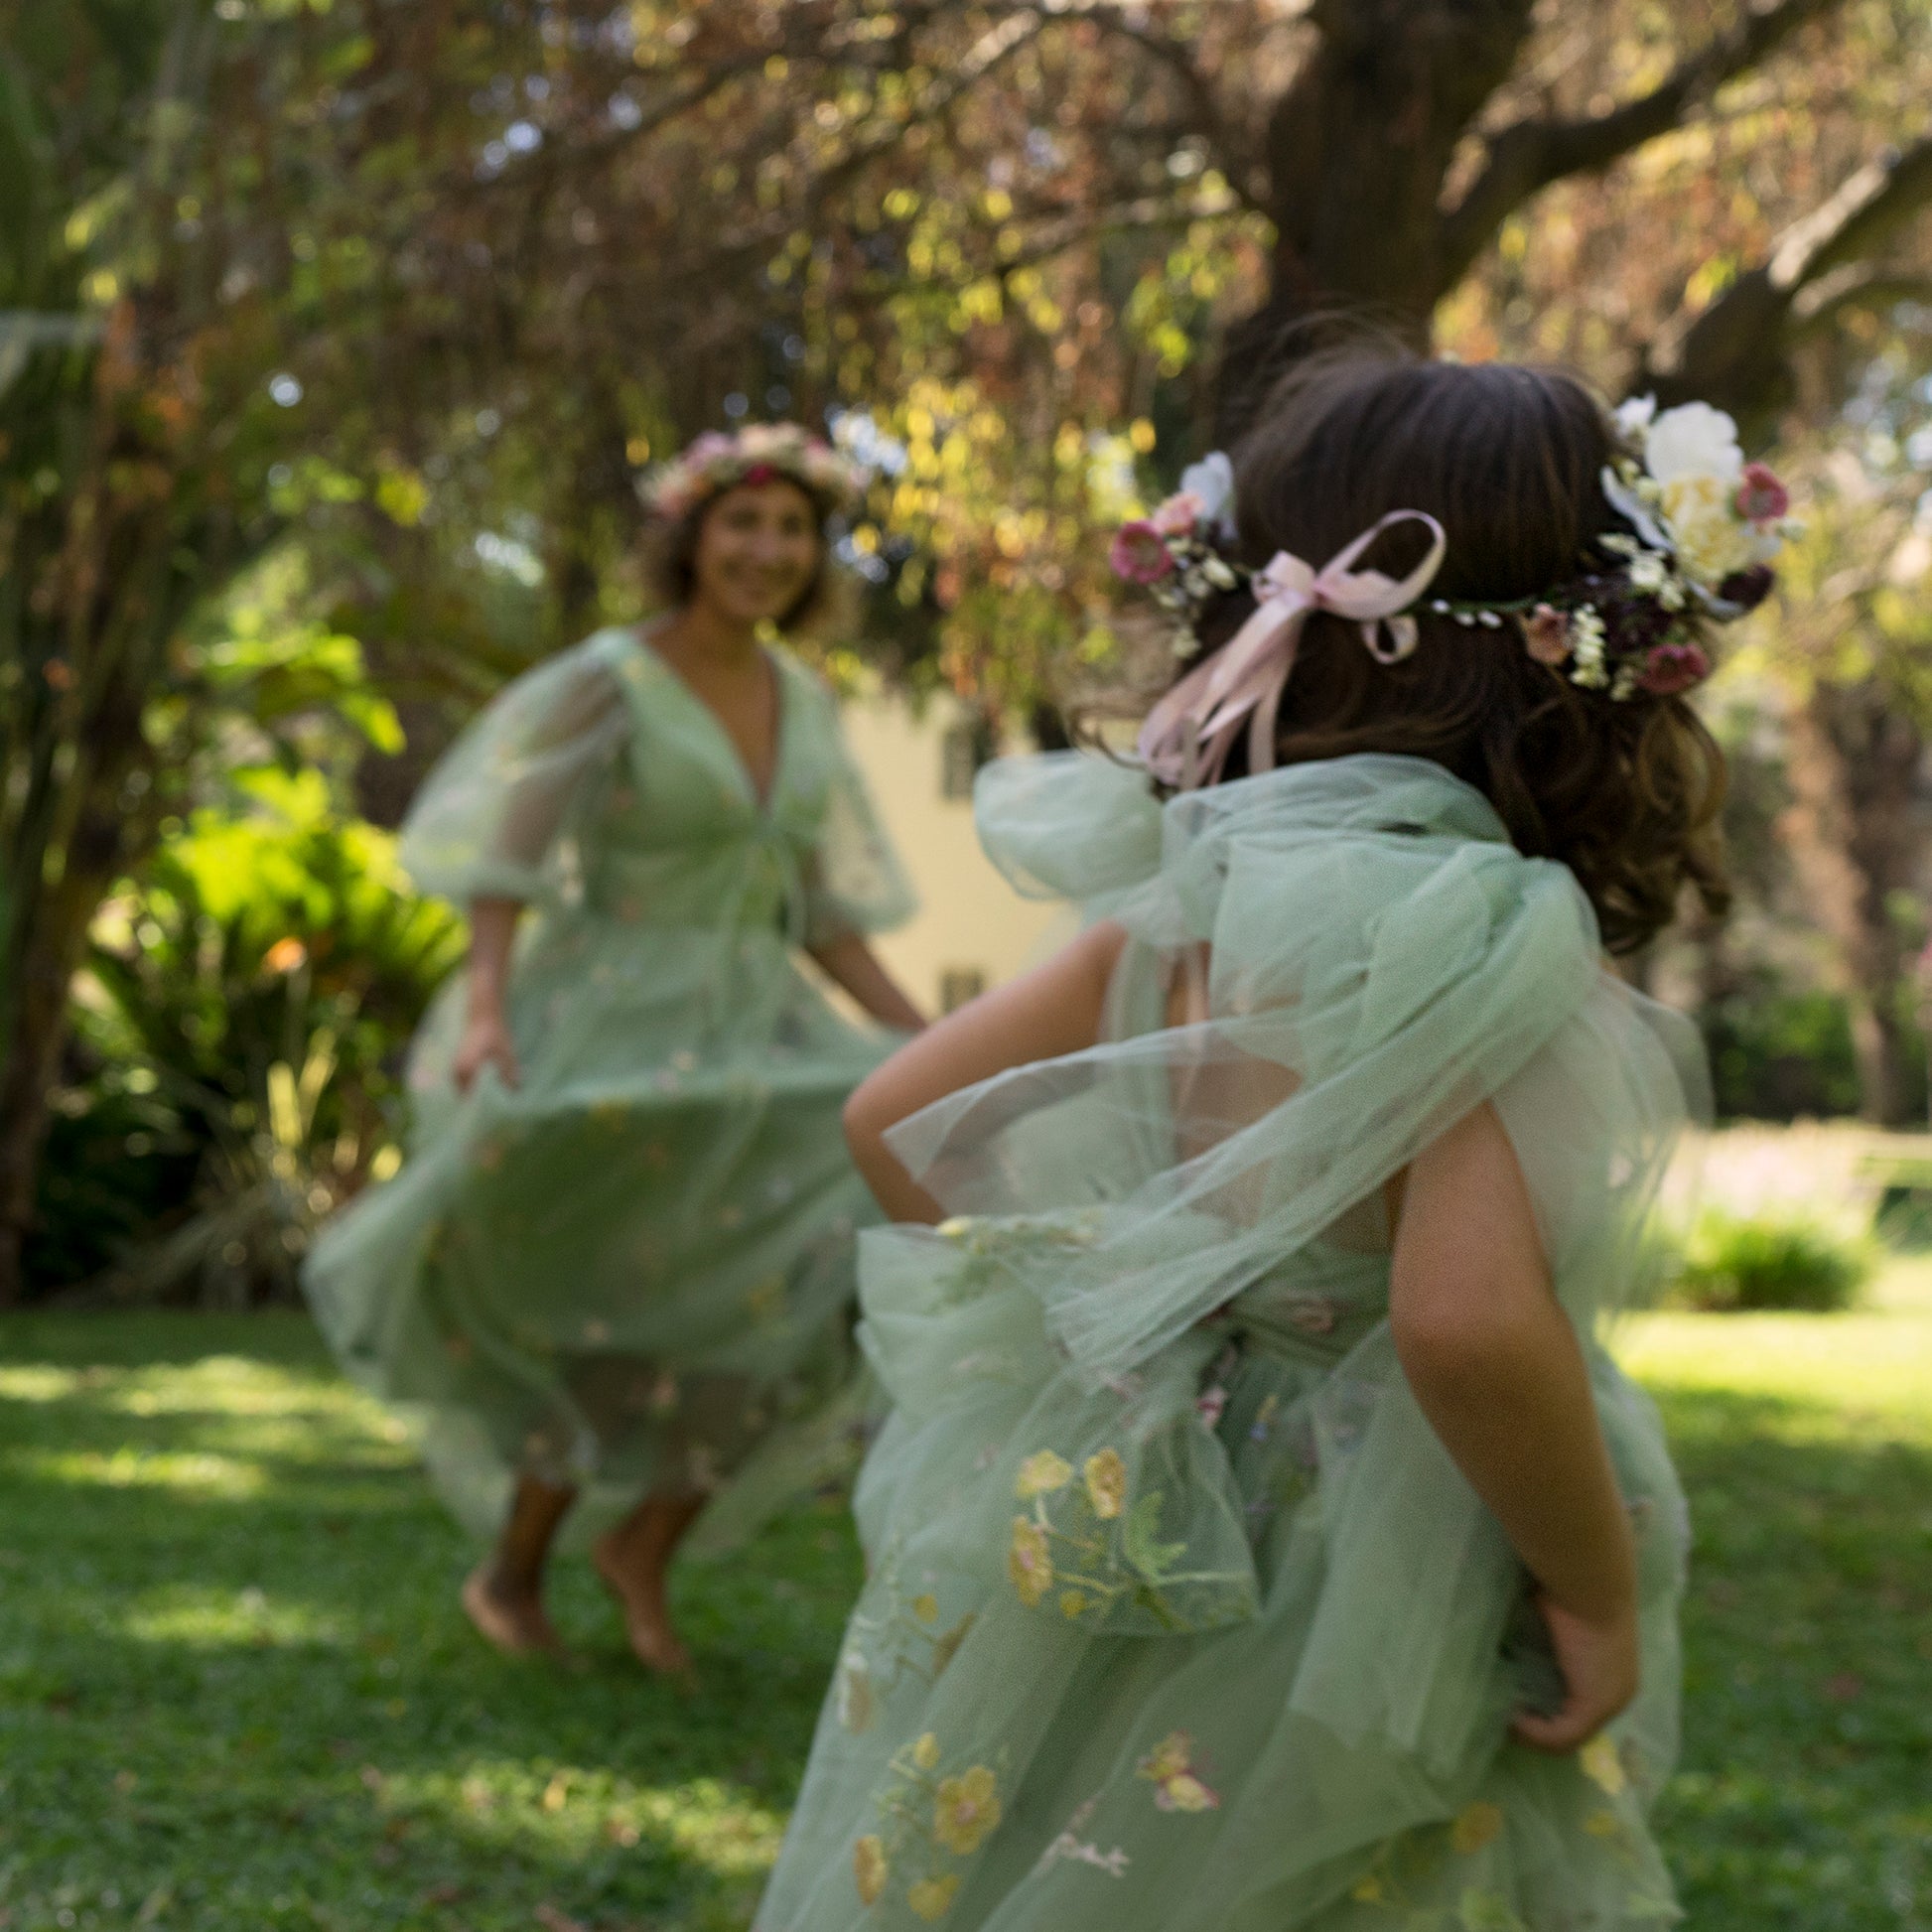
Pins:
x: 868, y: 1869
x: 1368, y: 1891
x: 968, y: 1807
x: 1168, y: 1759
x: 926, y: 1608
x: 1028, y: 1561
x: 1106, y: 1476
x: 1604, y: 1824
x: 931, y: 1898
x: 1041, y: 1474
x: 1071, y: 1603
x: 1170, y: 1765
x: 1185, y: 1793
x: 925, y: 1753
x: 1476, y: 1826
x: 1601, y: 1765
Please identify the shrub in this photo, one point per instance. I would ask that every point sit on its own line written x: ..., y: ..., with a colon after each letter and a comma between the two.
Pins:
x: 1732, y: 1263
x: 238, y: 1040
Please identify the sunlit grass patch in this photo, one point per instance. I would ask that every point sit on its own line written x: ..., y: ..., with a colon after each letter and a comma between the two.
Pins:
x: 233, y: 1705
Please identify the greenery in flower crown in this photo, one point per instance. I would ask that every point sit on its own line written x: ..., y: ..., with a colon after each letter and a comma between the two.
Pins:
x: 1704, y: 529
x: 760, y: 453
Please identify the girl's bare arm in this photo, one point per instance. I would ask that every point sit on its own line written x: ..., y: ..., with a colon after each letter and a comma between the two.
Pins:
x: 1499, y: 1371
x: 1053, y: 1009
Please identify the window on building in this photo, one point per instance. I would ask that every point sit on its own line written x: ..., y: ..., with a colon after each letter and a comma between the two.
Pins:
x: 957, y: 985
x: 965, y: 748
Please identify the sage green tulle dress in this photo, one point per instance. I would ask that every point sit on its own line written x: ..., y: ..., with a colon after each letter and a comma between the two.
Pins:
x: 637, y: 1266
x: 1179, y: 1617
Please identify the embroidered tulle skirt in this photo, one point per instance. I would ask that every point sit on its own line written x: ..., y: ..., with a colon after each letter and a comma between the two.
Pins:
x: 1232, y: 1647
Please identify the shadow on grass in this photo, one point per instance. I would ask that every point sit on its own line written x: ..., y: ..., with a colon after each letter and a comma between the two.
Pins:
x: 235, y: 1691
x: 1804, y: 1801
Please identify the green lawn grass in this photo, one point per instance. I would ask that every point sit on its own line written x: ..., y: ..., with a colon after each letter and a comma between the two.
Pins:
x: 234, y: 1691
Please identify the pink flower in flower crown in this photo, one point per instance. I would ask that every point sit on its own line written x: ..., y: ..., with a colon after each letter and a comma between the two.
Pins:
x: 1139, y: 553
x: 1546, y: 634
x: 1177, y: 517
x: 1761, y: 499
x: 1671, y: 668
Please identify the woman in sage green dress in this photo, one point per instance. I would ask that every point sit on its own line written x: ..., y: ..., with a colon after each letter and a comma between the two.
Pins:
x: 617, y: 1262
x: 1261, y: 1538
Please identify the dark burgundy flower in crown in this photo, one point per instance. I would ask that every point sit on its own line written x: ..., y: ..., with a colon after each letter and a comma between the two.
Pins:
x: 1747, y: 588
x: 758, y: 474
x: 1140, y: 553
x: 1671, y: 668
x: 1761, y: 499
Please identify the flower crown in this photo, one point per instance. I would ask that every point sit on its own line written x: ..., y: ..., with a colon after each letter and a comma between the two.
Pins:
x: 1707, y: 527
x: 760, y: 453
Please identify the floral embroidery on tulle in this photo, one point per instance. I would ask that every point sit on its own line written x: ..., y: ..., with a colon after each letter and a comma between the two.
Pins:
x: 869, y: 1869
x: 1072, y: 1847
x: 928, y: 1822
x: 967, y: 1808
x: 1101, y: 1546
x: 1170, y: 1767
x: 892, y: 1638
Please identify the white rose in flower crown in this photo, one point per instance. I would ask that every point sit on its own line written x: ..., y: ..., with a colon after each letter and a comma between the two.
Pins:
x: 1692, y: 455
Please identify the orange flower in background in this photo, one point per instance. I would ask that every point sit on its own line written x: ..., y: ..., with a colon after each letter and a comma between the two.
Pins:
x: 868, y: 1869
x: 285, y: 955
x: 967, y: 1809
x: 1028, y: 1561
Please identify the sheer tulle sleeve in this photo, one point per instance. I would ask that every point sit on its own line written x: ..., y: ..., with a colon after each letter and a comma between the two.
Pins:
x: 486, y: 823
x: 1379, y: 961
x: 854, y: 882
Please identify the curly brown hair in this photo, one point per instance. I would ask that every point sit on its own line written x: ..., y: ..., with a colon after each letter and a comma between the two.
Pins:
x: 1509, y: 460
x: 823, y: 609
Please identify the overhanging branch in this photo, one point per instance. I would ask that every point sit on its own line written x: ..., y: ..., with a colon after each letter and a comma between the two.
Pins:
x: 1530, y: 155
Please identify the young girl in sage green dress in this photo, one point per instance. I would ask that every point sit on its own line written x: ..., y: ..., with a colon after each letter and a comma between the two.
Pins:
x: 1261, y: 1540
x: 619, y: 1257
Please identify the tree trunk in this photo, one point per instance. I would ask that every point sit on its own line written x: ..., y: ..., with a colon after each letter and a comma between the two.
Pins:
x: 1854, y: 757
x: 1358, y: 150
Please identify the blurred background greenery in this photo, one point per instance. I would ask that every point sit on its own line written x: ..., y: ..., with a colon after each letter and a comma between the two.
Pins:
x: 332, y: 336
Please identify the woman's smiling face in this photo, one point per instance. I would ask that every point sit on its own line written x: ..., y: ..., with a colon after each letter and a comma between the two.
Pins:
x: 759, y: 549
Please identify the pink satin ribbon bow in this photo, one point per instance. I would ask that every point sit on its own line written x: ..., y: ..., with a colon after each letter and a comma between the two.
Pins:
x: 1190, y: 732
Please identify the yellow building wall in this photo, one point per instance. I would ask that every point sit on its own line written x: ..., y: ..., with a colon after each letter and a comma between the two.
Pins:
x: 970, y: 921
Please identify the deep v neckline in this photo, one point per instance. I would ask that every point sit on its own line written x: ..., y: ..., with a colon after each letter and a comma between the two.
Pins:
x: 762, y: 800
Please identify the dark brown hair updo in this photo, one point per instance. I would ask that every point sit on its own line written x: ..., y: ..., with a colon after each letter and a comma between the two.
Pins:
x: 671, y: 564
x: 1509, y: 460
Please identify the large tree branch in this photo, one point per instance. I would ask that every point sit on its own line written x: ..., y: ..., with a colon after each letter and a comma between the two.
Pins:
x: 1735, y: 353
x: 1529, y: 154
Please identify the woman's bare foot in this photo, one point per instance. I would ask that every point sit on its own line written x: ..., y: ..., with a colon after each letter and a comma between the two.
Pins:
x: 514, y: 1620
x: 638, y: 1585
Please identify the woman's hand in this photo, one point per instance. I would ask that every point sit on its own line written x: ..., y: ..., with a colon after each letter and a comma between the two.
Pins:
x: 1598, y: 1660
x: 486, y: 1043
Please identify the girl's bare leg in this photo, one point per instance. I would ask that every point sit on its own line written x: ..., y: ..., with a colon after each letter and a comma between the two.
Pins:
x: 633, y: 1559
x: 503, y: 1595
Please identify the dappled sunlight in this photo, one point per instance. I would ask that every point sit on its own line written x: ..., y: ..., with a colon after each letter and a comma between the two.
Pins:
x: 1876, y: 1361
x: 224, y: 1477
x: 574, y: 1811
x: 203, y: 1617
